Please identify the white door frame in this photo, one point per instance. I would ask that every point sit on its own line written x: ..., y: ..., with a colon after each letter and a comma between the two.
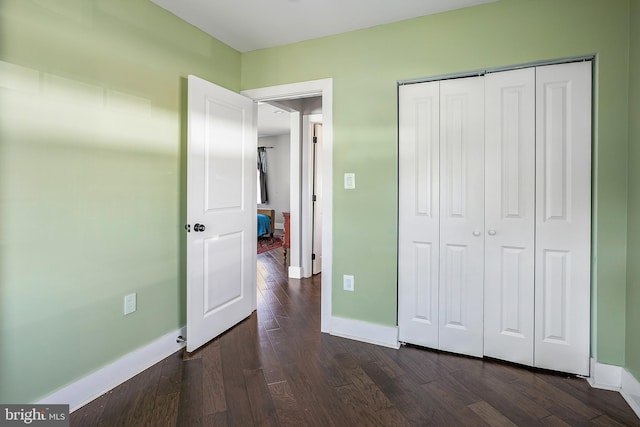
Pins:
x: 306, y: 89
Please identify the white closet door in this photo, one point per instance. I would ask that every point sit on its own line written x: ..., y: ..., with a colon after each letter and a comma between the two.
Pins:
x: 418, y: 213
x: 509, y: 215
x: 461, y: 215
x: 563, y: 217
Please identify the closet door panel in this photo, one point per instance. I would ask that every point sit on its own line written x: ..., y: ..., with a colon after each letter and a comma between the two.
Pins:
x: 461, y: 215
x: 563, y: 217
x: 418, y: 240
x: 509, y: 215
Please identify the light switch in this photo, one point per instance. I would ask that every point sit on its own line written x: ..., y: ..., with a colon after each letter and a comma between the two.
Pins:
x: 349, y: 181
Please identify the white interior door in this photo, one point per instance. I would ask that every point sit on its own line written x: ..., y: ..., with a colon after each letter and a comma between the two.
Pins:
x: 461, y: 215
x: 316, y: 264
x: 509, y: 215
x: 563, y: 217
x: 221, y: 210
x: 419, y: 213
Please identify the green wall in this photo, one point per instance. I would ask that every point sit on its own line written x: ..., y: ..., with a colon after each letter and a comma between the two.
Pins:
x: 633, y: 251
x: 365, y: 66
x: 91, y: 181
x: 92, y: 140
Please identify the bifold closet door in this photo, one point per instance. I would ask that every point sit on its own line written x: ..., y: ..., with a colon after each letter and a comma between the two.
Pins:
x: 563, y: 217
x: 419, y: 212
x: 501, y: 269
x: 509, y: 215
x: 461, y: 215
x: 441, y: 215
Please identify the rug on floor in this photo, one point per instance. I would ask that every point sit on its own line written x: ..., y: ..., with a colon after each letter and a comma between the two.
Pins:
x: 268, y: 243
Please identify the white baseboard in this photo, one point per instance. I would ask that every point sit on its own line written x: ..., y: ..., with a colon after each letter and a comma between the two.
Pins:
x: 616, y: 378
x: 606, y: 377
x: 631, y: 391
x: 101, y: 381
x: 295, y: 272
x: 372, y: 333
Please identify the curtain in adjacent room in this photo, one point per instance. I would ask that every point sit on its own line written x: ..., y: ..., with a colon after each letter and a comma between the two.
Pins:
x: 262, y: 176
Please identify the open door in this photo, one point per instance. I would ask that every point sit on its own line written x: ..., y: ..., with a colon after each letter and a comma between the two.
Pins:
x: 316, y: 263
x: 221, y: 210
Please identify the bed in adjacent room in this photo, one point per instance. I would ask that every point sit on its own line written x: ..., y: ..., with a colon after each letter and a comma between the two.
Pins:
x: 266, y: 222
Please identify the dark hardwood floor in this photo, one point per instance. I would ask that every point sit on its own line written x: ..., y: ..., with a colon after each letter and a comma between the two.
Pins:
x: 276, y: 369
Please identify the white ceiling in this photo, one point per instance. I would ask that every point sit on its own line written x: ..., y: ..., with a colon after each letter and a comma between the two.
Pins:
x: 248, y: 25
x: 272, y: 120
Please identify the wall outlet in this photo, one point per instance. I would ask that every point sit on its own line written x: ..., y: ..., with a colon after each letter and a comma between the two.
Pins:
x: 348, y: 283
x: 129, y: 303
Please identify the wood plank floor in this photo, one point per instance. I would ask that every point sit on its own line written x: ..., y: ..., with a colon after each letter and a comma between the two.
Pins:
x: 276, y: 369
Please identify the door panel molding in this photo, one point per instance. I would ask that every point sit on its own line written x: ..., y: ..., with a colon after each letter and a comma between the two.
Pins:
x: 419, y: 214
x: 563, y: 217
x: 509, y: 215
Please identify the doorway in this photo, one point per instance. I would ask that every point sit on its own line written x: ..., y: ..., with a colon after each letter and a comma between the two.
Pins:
x: 295, y: 189
x: 274, y: 142
x: 296, y: 92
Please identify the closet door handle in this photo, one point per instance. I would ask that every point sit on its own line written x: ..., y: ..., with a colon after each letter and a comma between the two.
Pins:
x: 477, y: 233
x: 492, y: 232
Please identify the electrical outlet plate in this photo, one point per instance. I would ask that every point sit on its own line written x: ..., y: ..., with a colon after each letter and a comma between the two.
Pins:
x: 349, y: 181
x: 348, y: 282
x: 129, y: 303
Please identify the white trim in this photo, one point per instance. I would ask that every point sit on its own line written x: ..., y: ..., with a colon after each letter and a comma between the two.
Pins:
x: 371, y: 333
x: 322, y: 88
x: 295, y: 272
x: 94, y: 385
x: 606, y: 377
x: 305, y: 196
x: 484, y: 71
x: 616, y: 378
x: 631, y: 391
x: 290, y: 91
x: 295, y: 197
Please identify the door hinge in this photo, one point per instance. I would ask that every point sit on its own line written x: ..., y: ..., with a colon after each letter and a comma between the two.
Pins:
x: 314, y: 197
x: 187, y: 227
x: 315, y: 139
x: 313, y: 257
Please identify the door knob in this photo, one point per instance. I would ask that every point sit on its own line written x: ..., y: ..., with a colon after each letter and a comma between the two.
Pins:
x: 491, y: 232
x: 198, y: 227
x: 476, y: 233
